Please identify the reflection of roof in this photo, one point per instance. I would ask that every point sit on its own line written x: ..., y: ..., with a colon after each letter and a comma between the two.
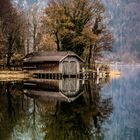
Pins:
x: 50, y: 95
x: 49, y: 56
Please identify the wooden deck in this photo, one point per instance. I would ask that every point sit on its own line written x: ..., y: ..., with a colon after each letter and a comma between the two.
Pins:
x: 81, y: 75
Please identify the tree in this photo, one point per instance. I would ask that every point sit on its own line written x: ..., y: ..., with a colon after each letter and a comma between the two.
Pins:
x: 66, y: 21
x: 73, y: 25
x: 56, y: 22
x: 47, y: 43
x: 34, y: 26
x: 104, y: 40
x: 11, y: 24
x: 1, y: 42
x: 81, y: 14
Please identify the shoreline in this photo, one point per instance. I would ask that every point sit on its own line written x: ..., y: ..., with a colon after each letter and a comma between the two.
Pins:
x: 115, y: 74
x: 8, y: 75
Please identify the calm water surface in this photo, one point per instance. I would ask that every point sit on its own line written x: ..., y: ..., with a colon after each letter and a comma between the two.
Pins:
x: 72, y: 109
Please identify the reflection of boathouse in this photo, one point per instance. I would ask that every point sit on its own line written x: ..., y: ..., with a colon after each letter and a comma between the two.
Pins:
x: 66, y: 63
x: 67, y: 89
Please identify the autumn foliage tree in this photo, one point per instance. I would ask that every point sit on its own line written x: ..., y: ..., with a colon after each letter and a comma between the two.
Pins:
x: 78, y: 26
x: 104, y: 41
x: 55, y: 22
x: 10, y: 27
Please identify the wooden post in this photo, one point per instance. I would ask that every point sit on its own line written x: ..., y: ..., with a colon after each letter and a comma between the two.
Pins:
x: 83, y: 82
x: 83, y: 72
x: 97, y: 80
x: 98, y: 71
x: 93, y: 75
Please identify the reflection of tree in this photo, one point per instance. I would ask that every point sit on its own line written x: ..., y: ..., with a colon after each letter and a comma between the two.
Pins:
x: 81, y: 119
x: 12, y: 109
x: 100, y: 108
x: 7, y: 111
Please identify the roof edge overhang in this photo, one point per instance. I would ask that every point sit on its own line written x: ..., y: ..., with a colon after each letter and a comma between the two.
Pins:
x: 72, y: 55
x: 41, y: 61
x: 59, y: 60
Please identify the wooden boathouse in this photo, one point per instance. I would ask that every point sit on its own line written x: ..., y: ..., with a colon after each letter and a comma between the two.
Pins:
x: 64, y: 63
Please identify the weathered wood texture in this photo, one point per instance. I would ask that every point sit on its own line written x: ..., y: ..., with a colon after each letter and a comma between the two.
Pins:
x: 42, y: 67
x: 66, y: 63
x: 70, y: 66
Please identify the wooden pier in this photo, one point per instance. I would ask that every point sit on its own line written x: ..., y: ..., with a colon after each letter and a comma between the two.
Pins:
x: 81, y: 75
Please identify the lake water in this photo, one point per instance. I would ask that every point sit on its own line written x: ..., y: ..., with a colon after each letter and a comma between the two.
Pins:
x: 72, y: 109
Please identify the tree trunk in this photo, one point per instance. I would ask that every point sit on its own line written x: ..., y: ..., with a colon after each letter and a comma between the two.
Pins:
x: 27, y: 47
x: 57, y: 41
x: 8, y: 62
x: 34, y: 36
x: 11, y: 110
x: 9, y: 54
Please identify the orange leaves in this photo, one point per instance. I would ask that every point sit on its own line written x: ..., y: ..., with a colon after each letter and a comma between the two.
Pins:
x: 47, y: 43
x: 77, y: 25
x: 88, y: 34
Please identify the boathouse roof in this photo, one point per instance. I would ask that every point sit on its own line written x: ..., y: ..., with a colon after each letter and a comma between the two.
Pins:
x: 50, y: 56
